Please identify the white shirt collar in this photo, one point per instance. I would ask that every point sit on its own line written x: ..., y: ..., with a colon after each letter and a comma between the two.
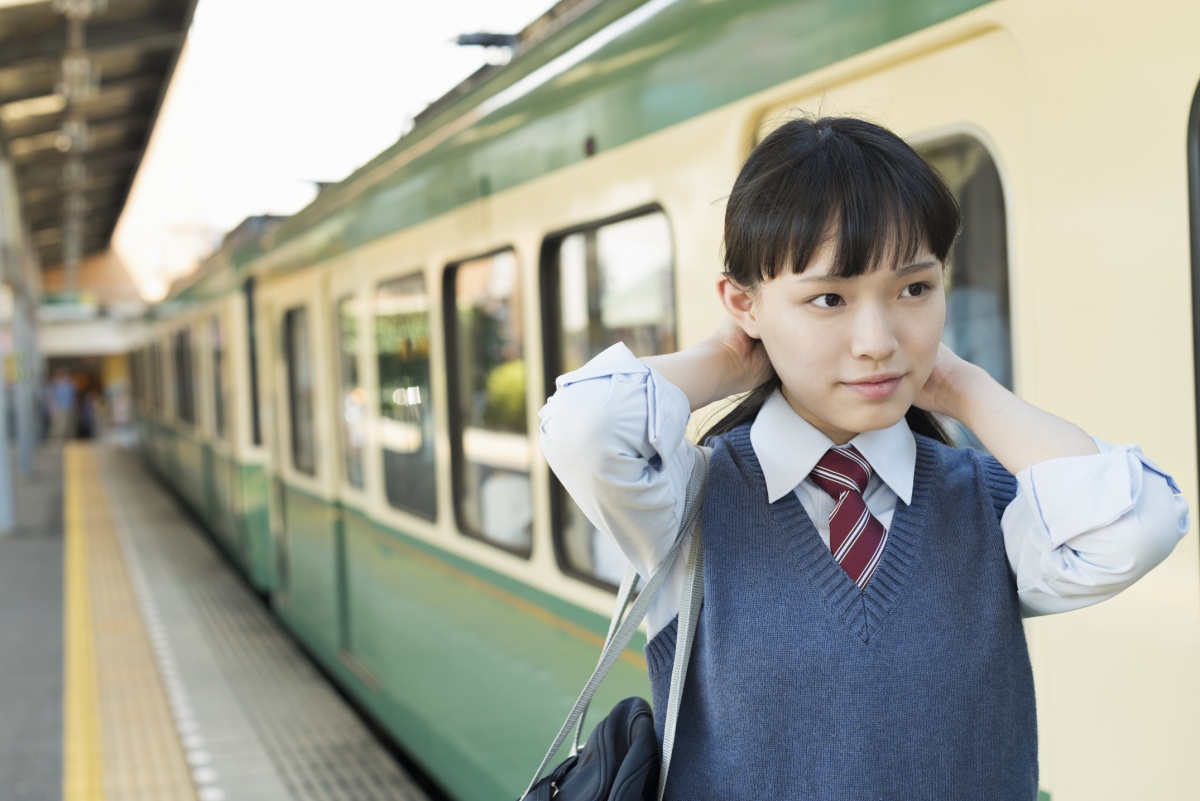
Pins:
x: 788, y: 447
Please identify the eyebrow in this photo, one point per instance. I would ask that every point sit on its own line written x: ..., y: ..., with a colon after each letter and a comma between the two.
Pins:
x: 901, y: 271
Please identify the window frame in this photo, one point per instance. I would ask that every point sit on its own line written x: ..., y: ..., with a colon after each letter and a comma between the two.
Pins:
x: 551, y: 319
x: 454, y: 417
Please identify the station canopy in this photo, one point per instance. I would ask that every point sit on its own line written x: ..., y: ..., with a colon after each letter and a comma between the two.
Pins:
x: 81, y: 83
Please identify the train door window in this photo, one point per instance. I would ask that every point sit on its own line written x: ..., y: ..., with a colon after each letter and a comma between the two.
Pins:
x: 218, y: 364
x: 406, y: 424
x: 185, y: 404
x: 252, y: 353
x: 300, y: 389
x: 977, y: 297
x: 153, y: 378
x: 609, y: 283
x: 490, y: 442
x: 160, y: 377
x: 135, y: 384
x: 161, y: 355
x: 352, y: 397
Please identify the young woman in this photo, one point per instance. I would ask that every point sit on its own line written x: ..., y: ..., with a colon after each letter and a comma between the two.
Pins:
x: 865, y: 581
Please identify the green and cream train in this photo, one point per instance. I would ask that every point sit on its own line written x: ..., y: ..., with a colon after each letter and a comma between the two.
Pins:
x: 349, y: 397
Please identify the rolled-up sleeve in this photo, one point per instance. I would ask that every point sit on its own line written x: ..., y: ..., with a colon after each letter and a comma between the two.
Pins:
x: 1083, y: 528
x: 613, y: 433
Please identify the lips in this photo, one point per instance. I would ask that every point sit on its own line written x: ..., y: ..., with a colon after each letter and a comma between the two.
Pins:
x: 876, y: 389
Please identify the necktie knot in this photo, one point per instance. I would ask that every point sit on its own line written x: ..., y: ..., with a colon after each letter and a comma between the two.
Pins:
x: 842, y: 469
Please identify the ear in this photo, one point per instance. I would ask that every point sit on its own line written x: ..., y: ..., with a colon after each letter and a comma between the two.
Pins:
x: 739, y: 303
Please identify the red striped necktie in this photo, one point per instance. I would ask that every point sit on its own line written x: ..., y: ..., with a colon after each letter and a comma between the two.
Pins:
x: 856, y: 538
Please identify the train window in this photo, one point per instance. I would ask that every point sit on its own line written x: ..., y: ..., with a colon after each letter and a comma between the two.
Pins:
x: 300, y: 389
x: 609, y: 283
x: 135, y: 379
x: 160, y: 378
x: 406, y: 431
x: 977, y: 297
x: 154, y: 377
x: 353, y: 397
x: 490, y: 443
x: 218, y: 365
x: 185, y: 404
x: 252, y: 352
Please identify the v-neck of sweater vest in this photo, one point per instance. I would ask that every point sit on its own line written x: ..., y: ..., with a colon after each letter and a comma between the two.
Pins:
x: 863, y: 611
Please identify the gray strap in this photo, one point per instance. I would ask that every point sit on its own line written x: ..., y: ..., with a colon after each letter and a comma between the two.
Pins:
x: 689, y: 613
x: 620, y: 634
x: 624, y: 593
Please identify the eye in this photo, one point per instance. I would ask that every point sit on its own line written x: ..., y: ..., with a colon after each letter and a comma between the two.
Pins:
x: 827, y: 301
x: 916, y: 290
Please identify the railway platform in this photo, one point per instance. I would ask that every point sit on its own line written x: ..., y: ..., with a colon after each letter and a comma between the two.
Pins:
x: 135, y: 665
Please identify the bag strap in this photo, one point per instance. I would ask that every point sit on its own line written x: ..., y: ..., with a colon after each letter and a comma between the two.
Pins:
x: 621, y: 630
x: 689, y: 613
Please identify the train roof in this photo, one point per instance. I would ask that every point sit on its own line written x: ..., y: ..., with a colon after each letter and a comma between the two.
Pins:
x: 587, y: 77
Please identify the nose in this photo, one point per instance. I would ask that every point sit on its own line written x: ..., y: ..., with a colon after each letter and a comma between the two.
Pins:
x: 874, y: 335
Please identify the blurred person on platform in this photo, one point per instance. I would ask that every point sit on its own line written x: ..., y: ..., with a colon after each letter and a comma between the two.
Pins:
x: 62, y: 405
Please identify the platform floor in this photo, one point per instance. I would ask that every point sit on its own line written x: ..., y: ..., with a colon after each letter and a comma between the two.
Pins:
x: 31, y: 642
x: 175, y: 681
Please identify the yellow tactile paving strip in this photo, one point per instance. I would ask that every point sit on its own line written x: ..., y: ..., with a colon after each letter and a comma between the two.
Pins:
x: 119, y: 740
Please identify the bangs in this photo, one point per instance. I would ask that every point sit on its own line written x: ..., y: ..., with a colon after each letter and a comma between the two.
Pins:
x: 841, y: 181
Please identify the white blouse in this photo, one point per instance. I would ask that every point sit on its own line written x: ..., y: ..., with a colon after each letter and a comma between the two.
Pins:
x: 1079, y: 530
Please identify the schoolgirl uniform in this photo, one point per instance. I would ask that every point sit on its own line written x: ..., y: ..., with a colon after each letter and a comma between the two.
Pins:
x: 803, y: 686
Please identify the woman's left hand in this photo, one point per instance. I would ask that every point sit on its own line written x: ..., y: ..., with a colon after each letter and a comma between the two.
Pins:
x: 947, y: 385
x: 1017, y: 433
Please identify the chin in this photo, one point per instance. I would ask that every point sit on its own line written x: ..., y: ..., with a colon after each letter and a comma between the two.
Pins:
x: 877, y: 419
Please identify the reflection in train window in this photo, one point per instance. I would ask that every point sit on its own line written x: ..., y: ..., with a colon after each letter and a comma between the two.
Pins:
x: 406, y: 432
x: 185, y: 406
x: 352, y: 398
x: 218, y: 364
x: 155, y: 376
x: 977, y: 298
x: 300, y: 389
x: 493, y: 497
x: 612, y: 283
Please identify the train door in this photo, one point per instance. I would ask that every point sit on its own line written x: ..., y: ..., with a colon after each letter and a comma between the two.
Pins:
x: 224, y: 465
x: 960, y: 93
x: 248, y: 372
x: 348, y: 412
x: 309, y: 546
x: 978, y: 141
x: 269, y: 421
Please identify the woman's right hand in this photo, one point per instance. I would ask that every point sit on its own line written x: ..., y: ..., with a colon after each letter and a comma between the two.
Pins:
x: 746, y: 364
x: 726, y: 363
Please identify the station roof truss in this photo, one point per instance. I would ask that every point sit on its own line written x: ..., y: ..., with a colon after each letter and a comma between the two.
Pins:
x: 76, y: 145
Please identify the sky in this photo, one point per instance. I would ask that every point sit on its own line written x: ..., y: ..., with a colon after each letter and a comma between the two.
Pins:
x: 271, y: 96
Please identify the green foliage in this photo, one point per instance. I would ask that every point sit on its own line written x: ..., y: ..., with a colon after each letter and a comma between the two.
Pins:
x: 505, y: 409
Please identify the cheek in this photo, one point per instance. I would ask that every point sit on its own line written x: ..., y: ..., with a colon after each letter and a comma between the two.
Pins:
x: 927, y: 338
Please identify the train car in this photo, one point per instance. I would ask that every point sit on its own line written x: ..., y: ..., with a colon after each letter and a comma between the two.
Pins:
x: 351, y: 402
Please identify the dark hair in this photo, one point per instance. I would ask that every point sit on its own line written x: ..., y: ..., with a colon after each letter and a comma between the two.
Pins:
x: 840, y: 179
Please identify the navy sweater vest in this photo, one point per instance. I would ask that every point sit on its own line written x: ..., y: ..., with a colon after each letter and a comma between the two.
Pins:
x: 802, y: 688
